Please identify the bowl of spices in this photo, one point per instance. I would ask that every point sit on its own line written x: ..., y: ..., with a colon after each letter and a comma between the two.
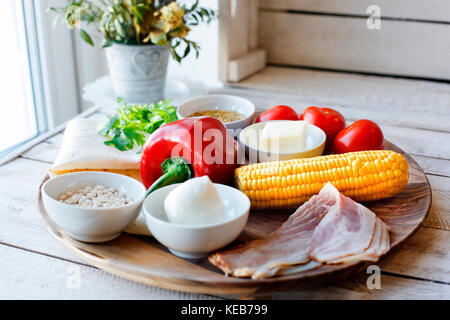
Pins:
x: 93, y: 206
x: 234, y: 112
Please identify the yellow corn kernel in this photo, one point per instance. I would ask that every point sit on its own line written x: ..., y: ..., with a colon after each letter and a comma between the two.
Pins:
x: 364, y: 176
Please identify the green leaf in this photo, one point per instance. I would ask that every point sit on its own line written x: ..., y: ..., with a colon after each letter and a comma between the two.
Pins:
x: 191, y: 9
x: 138, y: 15
x: 177, y: 43
x: 107, y: 43
x: 174, y: 53
x: 152, y: 127
x: 153, y: 116
x: 132, y: 134
x: 112, y: 123
x: 86, y: 37
x: 119, y: 28
x: 196, y: 20
x: 142, y: 8
x: 120, y: 142
x: 187, y: 50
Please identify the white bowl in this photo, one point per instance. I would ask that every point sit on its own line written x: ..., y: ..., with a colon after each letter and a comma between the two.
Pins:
x: 92, y: 224
x: 315, y: 144
x: 220, y: 102
x: 194, y: 242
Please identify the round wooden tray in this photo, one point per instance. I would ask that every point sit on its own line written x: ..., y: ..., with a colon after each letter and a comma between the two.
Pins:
x: 144, y: 260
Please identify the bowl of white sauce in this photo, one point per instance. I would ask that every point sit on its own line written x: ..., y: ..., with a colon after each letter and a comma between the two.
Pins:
x: 197, y: 217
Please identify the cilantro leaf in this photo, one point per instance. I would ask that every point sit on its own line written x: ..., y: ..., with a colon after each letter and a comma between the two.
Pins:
x: 132, y: 134
x: 132, y: 124
x: 151, y: 127
x: 120, y: 142
x: 112, y: 123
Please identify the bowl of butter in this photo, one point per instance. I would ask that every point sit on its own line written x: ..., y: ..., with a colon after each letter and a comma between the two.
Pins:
x: 282, y: 140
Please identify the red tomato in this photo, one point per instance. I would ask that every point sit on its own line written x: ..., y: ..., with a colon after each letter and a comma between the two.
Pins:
x: 329, y: 120
x: 359, y: 136
x: 278, y: 113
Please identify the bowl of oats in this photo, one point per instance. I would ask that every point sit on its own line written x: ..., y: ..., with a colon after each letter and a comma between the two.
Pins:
x: 233, y: 111
x: 93, y: 206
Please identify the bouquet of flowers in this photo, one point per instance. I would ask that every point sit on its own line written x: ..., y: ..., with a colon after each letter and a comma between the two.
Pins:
x: 146, y: 22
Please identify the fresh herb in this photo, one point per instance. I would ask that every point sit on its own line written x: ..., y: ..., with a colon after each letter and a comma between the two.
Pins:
x: 131, y: 124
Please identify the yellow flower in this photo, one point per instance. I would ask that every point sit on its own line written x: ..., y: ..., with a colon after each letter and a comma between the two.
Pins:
x: 170, y: 16
x: 182, y: 31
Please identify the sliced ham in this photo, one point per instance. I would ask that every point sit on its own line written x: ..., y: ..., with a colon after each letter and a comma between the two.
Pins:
x: 288, y: 245
x: 376, y: 250
x: 329, y: 228
x: 370, y: 253
x: 346, y: 231
x: 290, y: 269
x: 353, y: 233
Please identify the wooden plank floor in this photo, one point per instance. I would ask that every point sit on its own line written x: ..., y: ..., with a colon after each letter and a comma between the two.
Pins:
x: 34, y: 265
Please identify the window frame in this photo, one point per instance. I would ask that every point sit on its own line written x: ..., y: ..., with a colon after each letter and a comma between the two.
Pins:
x: 53, y: 72
x: 34, y: 65
x: 58, y: 63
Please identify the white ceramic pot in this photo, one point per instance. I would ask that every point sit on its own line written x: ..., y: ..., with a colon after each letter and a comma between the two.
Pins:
x: 138, y: 72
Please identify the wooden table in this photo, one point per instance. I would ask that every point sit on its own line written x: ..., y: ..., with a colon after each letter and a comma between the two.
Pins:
x: 34, y: 265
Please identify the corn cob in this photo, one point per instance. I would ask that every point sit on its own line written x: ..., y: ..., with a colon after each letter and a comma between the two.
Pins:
x: 363, y: 176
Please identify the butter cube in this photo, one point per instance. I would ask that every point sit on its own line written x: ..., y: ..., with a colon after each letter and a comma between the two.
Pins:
x: 283, y: 136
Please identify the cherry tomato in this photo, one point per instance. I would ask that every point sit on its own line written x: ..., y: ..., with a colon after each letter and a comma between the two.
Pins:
x: 359, y: 136
x: 278, y: 113
x: 329, y: 120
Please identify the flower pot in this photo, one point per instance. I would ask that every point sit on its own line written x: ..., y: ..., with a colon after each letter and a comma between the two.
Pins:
x: 138, y: 72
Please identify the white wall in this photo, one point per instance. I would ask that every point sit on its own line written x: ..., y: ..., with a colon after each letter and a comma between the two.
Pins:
x: 206, y: 67
x: 57, y: 63
x: 90, y: 64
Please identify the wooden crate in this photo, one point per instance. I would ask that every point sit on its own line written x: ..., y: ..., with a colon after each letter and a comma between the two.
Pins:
x: 413, y: 39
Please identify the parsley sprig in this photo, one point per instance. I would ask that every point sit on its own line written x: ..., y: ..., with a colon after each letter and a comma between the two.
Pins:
x: 131, y: 124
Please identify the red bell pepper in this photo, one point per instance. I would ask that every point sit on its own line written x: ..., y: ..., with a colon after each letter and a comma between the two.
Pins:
x: 203, y: 144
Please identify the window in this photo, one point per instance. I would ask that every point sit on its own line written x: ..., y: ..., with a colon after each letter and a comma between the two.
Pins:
x: 38, y: 76
x: 20, y: 117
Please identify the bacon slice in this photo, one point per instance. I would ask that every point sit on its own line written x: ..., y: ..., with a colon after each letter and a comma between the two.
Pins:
x: 369, y: 253
x: 376, y: 249
x: 286, y: 270
x: 352, y: 234
x: 288, y: 245
x: 329, y: 228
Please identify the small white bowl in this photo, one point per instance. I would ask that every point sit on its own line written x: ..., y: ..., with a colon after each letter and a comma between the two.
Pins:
x: 92, y: 224
x: 195, y: 242
x: 220, y: 102
x: 315, y: 144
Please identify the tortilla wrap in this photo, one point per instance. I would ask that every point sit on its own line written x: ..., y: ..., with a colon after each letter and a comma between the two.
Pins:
x: 82, y: 149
